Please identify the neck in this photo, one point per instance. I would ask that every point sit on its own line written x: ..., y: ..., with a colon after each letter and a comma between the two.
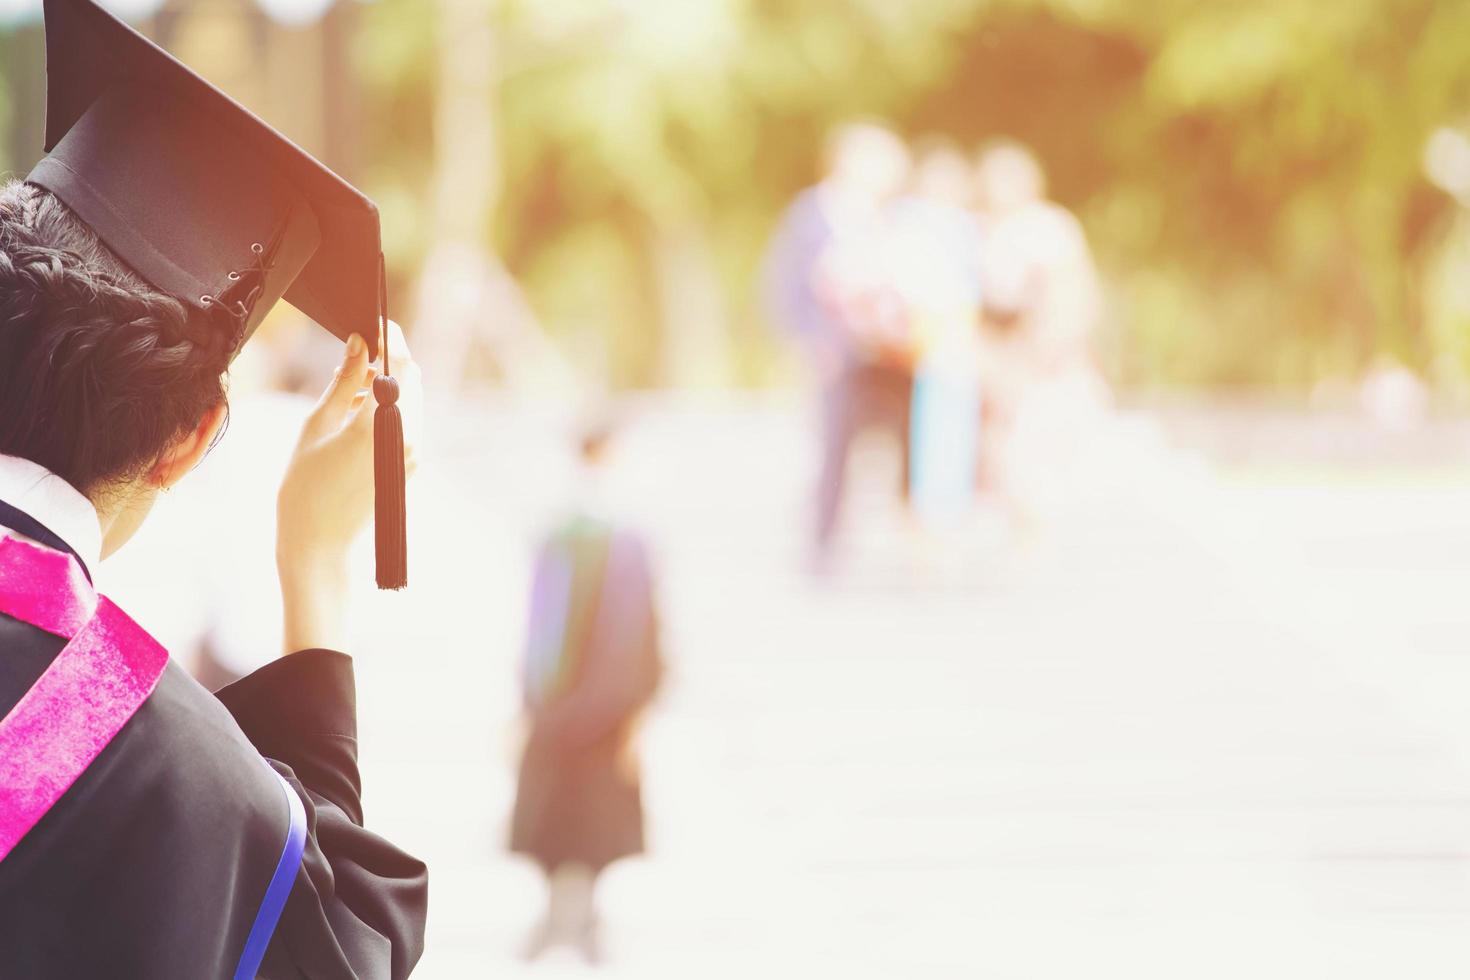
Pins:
x: 120, y: 512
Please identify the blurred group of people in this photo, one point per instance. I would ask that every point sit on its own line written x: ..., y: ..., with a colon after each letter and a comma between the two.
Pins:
x: 943, y: 298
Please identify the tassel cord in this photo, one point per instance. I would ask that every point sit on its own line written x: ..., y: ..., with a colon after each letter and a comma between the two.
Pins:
x: 389, y: 490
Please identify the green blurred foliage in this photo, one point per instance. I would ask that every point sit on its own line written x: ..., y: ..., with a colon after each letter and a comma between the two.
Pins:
x: 1249, y: 173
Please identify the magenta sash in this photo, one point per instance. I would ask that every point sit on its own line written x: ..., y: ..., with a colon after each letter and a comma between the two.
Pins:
x: 79, y: 704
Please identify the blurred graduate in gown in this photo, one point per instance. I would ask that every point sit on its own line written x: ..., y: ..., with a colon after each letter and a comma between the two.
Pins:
x: 592, y: 665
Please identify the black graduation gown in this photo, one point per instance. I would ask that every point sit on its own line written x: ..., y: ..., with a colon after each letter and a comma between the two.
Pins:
x: 154, y: 863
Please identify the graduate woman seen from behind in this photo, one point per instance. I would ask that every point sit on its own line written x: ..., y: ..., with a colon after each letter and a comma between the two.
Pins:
x: 150, y: 830
x: 159, y: 853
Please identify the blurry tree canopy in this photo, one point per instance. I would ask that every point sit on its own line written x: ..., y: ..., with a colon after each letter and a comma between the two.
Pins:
x: 1250, y: 173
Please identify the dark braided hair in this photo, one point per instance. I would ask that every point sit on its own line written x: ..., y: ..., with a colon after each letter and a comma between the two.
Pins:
x: 99, y: 371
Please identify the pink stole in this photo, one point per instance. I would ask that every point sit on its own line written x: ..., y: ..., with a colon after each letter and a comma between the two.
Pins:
x: 79, y: 704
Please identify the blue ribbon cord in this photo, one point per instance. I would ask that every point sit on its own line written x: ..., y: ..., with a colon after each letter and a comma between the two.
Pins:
x: 279, y: 889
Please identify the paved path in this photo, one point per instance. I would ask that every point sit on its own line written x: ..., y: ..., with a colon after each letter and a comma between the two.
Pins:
x: 1213, y: 725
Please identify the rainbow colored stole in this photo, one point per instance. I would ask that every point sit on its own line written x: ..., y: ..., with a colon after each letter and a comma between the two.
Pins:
x: 565, y: 594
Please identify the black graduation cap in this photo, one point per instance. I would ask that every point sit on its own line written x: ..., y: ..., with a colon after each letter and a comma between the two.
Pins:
x: 210, y: 204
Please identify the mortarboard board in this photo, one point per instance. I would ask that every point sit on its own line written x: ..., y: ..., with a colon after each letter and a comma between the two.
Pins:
x: 211, y: 205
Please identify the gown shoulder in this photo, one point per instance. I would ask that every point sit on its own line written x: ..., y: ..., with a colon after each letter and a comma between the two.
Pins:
x: 159, y: 855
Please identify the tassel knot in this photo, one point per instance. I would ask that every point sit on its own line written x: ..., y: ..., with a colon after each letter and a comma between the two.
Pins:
x: 385, y: 390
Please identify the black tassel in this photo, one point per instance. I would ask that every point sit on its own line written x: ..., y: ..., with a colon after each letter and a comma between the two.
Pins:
x: 389, y: 488
x: 389, y: 479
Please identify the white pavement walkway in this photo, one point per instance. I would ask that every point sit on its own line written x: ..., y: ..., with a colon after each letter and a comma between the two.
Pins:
x: 1212, y: 726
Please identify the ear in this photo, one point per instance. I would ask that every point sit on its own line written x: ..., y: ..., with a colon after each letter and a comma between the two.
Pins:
x: 188, y: 450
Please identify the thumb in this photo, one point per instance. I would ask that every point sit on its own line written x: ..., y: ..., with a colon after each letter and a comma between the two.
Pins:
x: 336, y: 401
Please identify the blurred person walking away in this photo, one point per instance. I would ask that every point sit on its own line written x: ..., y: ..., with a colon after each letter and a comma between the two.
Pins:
x: 827, y: 284
x: 592, y: 665
x: 935, y: 260
x: 1043, y: 392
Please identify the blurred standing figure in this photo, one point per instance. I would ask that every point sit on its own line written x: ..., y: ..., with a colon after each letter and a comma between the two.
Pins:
x: 936, y: 266
x: 592, y: 665
x: 1042, y: 307
x: 827, y: 285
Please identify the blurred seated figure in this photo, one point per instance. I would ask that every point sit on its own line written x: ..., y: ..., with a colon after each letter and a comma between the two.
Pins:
x: 592, y: 665
x: 829, y: 285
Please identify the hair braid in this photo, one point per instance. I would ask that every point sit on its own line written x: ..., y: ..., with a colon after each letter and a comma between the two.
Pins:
x: 99, y: 371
